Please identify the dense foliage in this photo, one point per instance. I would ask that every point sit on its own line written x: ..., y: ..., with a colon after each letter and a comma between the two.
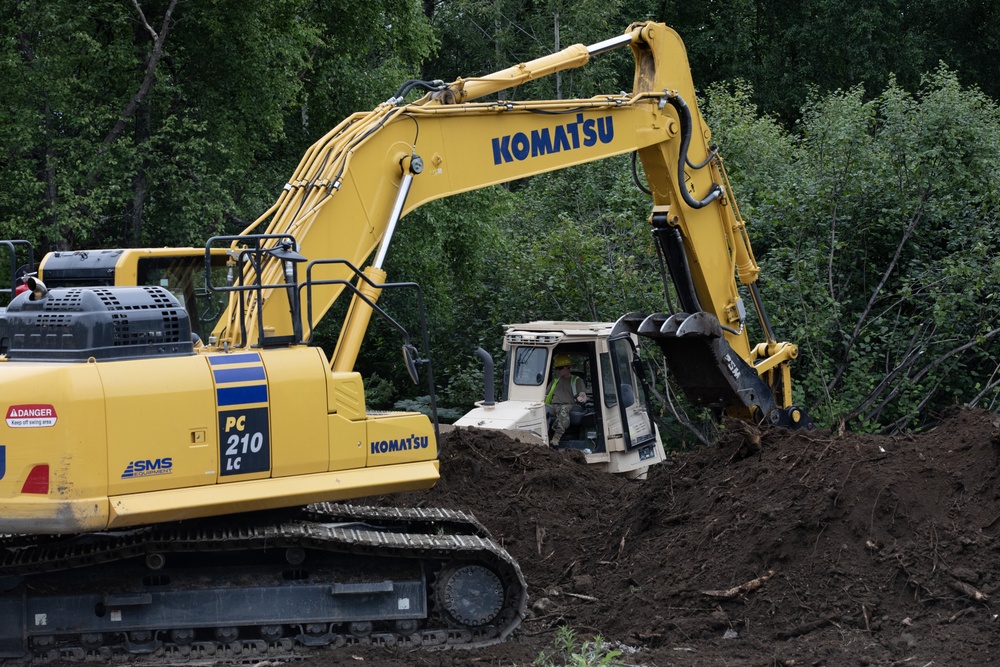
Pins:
x: 877, y: 221
x: 164, y: 122
x: 862, y: 141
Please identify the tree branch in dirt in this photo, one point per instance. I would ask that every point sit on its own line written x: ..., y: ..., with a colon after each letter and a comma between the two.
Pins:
x: 919, y: 375
x: 899, y: 426
x: 912, y: 353
x: 742, y: 589
x: 991, y: 384
x: 158, y: 41
x: 968, y: 591
x: 804, y: 629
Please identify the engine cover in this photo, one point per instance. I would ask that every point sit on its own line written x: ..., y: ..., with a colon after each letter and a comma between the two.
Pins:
x: 102, y: 323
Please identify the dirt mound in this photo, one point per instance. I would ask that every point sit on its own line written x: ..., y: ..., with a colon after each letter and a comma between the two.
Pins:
x: 771, y: 548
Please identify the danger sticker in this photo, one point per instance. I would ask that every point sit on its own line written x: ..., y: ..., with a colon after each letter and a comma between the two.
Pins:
x: 31, y: 416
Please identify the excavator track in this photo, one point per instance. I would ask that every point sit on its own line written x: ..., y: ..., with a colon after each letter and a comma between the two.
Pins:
x: 274, y: 586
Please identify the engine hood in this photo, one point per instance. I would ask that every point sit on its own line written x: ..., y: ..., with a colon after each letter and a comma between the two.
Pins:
x: 514, y: 417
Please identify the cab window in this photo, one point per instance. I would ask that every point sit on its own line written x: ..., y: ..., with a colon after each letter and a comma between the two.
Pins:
x: 530, y: 365
x: 184, y: 277
x: 608, y: 381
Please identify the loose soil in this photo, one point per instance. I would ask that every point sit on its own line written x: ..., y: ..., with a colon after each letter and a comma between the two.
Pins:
x: 770, y: 548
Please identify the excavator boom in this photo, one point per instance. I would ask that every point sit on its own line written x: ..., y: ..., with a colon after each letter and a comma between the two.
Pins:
x: 355, y: 184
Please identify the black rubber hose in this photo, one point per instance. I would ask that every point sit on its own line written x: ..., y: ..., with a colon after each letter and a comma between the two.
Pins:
x: 635, y: 176
x: 685, y: 117
x: 712, y: 154
x: 410, y: 84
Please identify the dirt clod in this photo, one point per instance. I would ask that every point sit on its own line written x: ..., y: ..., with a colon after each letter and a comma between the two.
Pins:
x: 829, y: 549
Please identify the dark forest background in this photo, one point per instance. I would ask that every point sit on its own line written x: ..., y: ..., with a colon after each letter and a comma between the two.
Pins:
x: 862, y: 139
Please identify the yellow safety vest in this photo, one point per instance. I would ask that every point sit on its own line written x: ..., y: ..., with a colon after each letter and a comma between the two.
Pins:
x: 552, y: 390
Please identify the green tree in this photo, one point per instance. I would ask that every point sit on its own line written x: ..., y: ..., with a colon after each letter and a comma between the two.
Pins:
x: 164, y: 122
x: 880, y: 247
x: 785, y: 47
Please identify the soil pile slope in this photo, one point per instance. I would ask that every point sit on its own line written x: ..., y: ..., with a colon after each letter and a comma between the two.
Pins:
x: 771, y: 548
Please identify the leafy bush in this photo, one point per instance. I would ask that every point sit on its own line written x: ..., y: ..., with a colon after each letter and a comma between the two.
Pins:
x: 875, y: 224
x: 570, y: 652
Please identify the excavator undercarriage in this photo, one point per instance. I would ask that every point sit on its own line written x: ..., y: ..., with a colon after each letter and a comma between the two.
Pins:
x: 266, y: 585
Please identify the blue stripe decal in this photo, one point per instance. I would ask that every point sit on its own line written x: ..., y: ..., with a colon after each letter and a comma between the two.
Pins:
x: 3, y: 461
x: 247, y: 374
x: 247, y: 358
x: 241, y: 395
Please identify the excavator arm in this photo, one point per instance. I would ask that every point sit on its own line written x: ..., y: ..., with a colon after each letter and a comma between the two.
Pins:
x: 354, y: 185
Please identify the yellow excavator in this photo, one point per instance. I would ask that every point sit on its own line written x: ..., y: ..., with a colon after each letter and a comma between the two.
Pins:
x: 173, y: 446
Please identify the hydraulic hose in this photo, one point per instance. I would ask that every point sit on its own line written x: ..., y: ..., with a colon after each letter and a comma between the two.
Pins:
x: 411, y: 84
x: 684, y: 113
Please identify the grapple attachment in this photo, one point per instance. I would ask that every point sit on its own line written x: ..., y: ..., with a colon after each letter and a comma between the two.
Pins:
x: 710, y: 372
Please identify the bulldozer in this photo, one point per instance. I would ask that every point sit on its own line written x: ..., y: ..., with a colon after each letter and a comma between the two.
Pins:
x: 177, y: 459
x: 613, y: 427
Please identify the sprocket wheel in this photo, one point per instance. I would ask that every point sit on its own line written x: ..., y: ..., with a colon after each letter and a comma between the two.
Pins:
x: 472, y: 595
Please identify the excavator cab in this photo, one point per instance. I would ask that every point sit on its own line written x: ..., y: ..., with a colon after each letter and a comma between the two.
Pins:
x: 181, y: 271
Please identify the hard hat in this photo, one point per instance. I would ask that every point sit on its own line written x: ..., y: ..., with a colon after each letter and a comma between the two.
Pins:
x: 562, y: 360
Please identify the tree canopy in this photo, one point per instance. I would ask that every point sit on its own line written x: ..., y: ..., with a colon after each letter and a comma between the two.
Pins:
x: 862, y: 141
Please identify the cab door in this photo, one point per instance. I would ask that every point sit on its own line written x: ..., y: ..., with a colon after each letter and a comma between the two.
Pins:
x: 633, y: 402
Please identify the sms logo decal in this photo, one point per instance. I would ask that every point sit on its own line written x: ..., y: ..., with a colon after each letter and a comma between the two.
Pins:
x: 146, y: 468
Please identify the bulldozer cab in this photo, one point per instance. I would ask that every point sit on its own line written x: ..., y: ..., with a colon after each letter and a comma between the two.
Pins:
x: 614, y: 429
x: 583, y: 432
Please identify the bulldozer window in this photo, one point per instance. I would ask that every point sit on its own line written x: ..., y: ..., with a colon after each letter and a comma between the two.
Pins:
x: 530, y: 365
x: 608, y: 381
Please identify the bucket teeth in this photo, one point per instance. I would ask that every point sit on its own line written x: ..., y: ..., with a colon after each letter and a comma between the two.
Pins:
x: 677, y: 325
x: 673, y: 324
x: 652, y: 324
x: 699, y: 324
x: 630, y: 321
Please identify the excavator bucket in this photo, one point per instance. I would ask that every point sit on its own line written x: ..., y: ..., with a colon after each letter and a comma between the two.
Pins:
x: 710, y: 372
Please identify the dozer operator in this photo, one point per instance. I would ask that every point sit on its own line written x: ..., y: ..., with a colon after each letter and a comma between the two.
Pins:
x: 566, y: 391
x: 169, y: 493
